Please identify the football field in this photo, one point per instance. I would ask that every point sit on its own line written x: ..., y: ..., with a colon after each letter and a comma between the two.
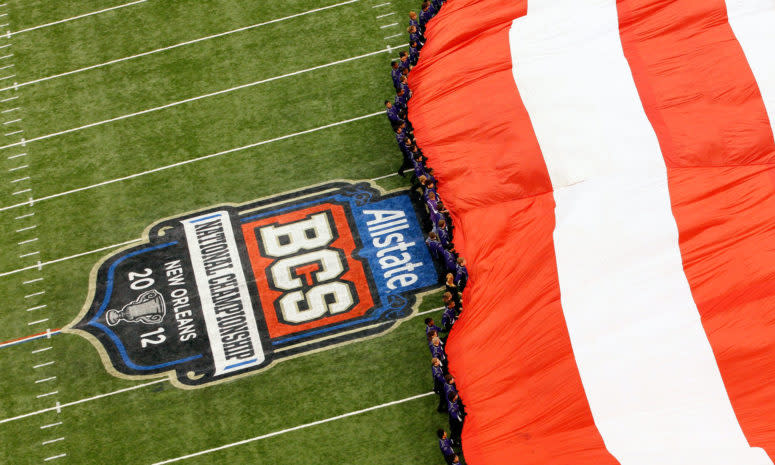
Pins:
x: 116, y: 116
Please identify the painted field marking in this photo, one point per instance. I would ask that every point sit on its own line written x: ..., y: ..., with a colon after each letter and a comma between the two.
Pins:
x: 296, y: 428
x: 107, y: 247
x: 388, y: 25
x: 52, y: 440
x: 81, y: 401
x: 21, y: 179
x: 13, y: 120
x: 27, y: 228
x: 27, y: 241
x: 193, y: 160
x: 9, y: 98
x: 37, y: 307
x: 6, y: 67
x: 29, y: 254
x: 181, y: 44
x: 100, y: 396
x: 26, y: 215
x: 51, y: 425
x: 394, y: 35
x: 34, y: 294
x: 7, y: 77
x: 381, y: 5
x: 386, y: 15
x: 69, y: 257
x: 18, y: 168
x: 20, y: 31
x: 54, y: 457
x: 43, y: 349
x: 23, y: 154
x: 191, y: 99
x: 43, y: 365
x: 52, y: 393
x: 38, y: 322
x: 32, y: 280
x: 23, y: 191
x: 10, y: 109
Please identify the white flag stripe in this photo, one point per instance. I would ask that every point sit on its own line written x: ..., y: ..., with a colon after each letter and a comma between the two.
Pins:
x: 648, y: 370
x: 753, y: 22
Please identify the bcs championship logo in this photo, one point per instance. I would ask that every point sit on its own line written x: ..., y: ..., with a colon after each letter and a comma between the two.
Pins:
x: 228, y: 290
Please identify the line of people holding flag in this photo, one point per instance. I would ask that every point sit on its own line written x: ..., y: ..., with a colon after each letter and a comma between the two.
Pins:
x: 439, y: 229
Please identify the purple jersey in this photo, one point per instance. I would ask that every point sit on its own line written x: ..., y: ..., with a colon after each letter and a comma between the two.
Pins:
x: 430, y: 328
x: 449, y: 259
x: 453, y: 407
x: 446, y: 448
x: 438, y: 352
x: 438, y: 374
x: 426, y: 15
x: 449, y: 317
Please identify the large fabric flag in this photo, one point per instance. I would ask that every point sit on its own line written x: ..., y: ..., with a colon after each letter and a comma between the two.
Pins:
x: 609, y: 168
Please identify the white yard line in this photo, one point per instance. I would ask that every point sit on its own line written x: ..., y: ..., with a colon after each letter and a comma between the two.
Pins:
x: 69, y: 257
x: 296, y: 428
x: 193, y: 160
x: 132, y: 388
x: 107, y: 247
x: 78, y: 17
x: 70, y: 404
x: 52, y: 440
x: 193, y: 99
x: 170, y: 47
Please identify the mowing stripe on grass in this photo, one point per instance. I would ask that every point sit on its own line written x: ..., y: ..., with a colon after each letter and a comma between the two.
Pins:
x: 192, y: 160
x: 193, y: 99
x: 296, y: 428
x: 107, y: 247
x: 170, y: 47
x: 78, y: 17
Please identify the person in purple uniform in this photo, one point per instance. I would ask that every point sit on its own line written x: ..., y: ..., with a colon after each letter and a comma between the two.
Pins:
x: 416, y: 36
x: 414, y: 52
x: 449, y: 385
x: 428, y: 12
x: 392, y: 114
x: 434, y: 246
x: 437, y: 371
x: 450, y: 316
x: 448, y: 257
x: 430, y: 325
x: 404, y: 84
x: 395, y: 74
x: 403, y: 62
x: 437, y: 350
x: 401, y: 100
x: 461, y: 274
x: 445, y: 444
x: 440, y: 229
x: 413, y: 21
x: 455, y: 416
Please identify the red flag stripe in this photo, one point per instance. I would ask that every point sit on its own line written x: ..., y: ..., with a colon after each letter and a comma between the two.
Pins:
x: 703, y: 101
x: 510, y: 350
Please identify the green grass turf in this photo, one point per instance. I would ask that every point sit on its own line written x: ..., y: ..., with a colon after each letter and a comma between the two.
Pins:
x: 158, y: 422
